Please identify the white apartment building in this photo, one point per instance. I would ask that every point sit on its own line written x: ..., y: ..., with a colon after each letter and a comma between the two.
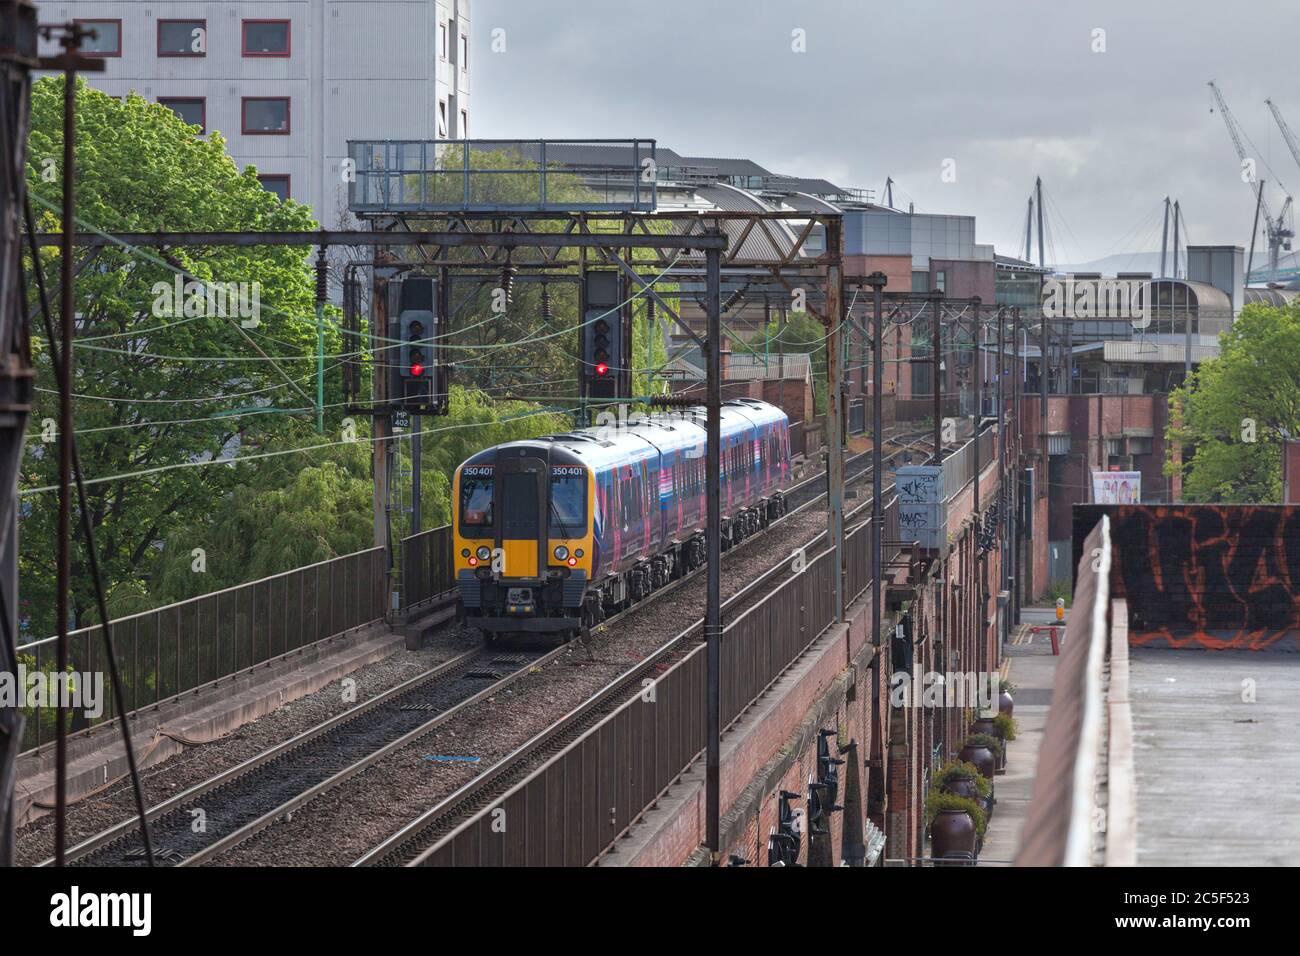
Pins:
x: 288, y: 82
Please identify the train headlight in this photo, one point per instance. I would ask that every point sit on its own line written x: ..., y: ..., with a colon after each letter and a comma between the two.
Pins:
x: 561, y: 553
x: 464, y: 552
x: 578, y: 553
x: 484, y: 552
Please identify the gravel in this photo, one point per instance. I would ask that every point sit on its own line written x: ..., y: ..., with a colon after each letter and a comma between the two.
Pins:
x: 35, y: 841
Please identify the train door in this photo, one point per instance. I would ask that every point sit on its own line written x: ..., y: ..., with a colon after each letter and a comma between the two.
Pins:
x: 523, y: 482
x: 651, y: 516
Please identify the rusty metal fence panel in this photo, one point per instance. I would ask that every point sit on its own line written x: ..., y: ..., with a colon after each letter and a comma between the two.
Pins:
x: 857, y: 416
x: 568, y: 810
x: 572, y: 807
x: 766, y: 639
x: 798, y: 439
x: 426, y: 566
x: 179, y: 647
x: 858, y: 570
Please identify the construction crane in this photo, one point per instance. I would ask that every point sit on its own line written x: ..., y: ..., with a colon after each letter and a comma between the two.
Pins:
x: 1278, y: 229
x: 1288, y: 136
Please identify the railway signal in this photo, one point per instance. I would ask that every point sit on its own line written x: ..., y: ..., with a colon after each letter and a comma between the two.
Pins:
x: 418, y: 379
x: 602, y: 338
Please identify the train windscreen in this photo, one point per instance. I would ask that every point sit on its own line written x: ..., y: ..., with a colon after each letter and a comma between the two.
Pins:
x: 475, y: 501
x: 568, y: 518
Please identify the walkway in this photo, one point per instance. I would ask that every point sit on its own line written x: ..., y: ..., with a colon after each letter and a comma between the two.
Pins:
x: 1032, y: 668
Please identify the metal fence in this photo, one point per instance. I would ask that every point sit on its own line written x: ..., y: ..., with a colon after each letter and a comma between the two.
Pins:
x: 857, y: 416
x: 426, y: 567
x: 174, y: 649
x: 494, y: 174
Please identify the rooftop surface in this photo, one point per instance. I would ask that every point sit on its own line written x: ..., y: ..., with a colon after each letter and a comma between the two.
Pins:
x: 1216, y: 764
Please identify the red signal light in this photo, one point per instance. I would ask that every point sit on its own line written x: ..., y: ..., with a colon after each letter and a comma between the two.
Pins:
x: 417, y: 369
x: 602, y: 368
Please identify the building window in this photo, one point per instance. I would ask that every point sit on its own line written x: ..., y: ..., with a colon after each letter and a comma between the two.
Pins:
x: 182, y: 37
x: 442, y: 40
x: 277, y: 183
x: 266, y: 38
x: 940, y: 281
x: 442, y: 118
x: 107, y: 40
x: 266, y: 115
x: 463, y: 56
x: 191, y: 109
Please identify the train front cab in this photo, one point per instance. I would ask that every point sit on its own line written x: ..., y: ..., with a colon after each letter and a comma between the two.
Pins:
x: 523, y: 547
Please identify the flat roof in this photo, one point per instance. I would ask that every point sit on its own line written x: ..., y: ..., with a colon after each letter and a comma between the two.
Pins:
x: 1216, y: 769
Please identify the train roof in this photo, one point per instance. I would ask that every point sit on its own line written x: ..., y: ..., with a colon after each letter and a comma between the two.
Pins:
x: 641, y: 437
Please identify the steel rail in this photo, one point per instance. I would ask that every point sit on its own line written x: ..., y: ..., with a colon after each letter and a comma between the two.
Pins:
x: 116, y: 832
x: 254, y: 827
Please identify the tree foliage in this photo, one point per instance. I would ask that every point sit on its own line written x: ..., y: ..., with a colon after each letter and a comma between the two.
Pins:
x: 155, y: 386
x: 195, y: 430
x: 1230, y: 415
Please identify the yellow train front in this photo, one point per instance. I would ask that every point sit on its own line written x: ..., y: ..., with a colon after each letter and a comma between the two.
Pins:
x: 554, y: 534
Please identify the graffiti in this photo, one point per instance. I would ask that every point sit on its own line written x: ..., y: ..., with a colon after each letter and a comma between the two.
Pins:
x: 1208, y: 576
x: 913, y: 519
x: 918, y: 489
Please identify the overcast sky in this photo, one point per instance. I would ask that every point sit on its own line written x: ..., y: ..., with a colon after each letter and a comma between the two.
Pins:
x: 1008, y: 89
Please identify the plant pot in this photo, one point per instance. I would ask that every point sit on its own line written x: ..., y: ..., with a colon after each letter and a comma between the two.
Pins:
x: 1006, y: 704
x: 953, y: 831
x: 984, y: 725
x: 982, y: 757
x: 961, y: 787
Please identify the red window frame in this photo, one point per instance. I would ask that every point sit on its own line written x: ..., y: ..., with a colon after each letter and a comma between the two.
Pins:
x: 165, y: 100
x: 288, y: 182
x: 243, y: 116
x: 93, y: 20
x: 288, y: 38
x: 158, y: 41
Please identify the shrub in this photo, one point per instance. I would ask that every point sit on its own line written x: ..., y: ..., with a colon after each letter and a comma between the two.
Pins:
x: 1005, y: 726
x: 962, y: 770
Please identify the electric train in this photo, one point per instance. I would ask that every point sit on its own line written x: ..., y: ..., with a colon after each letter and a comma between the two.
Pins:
x: 554, y: 534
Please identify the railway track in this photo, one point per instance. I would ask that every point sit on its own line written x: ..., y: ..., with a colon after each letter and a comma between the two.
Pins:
x: 234, y: 805
x: 410, y: 844
x: 237, y: 804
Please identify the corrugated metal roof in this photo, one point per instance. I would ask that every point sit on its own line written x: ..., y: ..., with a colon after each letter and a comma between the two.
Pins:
x: 1276, y: 297
x: 1156, y: 352
x: 798, y: 184
x: 805, y: 202
x: 724, y: 166
x: 773, y: 240
x: 744, y: 366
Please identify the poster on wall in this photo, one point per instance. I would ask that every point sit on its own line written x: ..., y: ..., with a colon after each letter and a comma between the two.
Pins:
x: 1116, y: 487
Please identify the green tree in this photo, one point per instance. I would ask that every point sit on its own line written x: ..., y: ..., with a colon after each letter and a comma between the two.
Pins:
x: 1228, y: 418
x: 802, y: 332
x: 159, y: 384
